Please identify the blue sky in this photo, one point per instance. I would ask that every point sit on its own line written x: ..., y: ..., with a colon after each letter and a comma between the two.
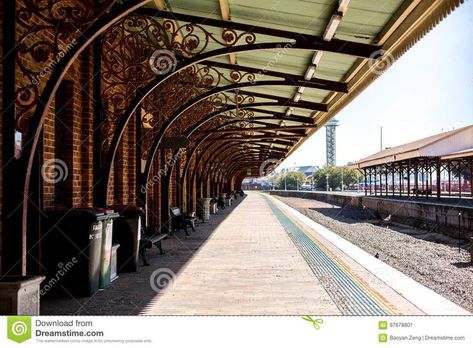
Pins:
x: 427, y: 90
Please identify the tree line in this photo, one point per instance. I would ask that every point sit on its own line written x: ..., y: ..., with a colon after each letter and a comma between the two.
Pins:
x: 331, y: 176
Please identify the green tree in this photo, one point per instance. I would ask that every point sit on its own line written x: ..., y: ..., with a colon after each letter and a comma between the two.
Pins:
x: 334, y: 176
x: 293, y: 180
x: 274, y: 179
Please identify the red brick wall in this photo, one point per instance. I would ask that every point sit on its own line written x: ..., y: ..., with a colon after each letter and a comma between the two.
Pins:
x: 78, y: 139
x: 125, y: 169
x: 48, y: 154
x: 86, y: 130
x: 130, y: 170
x: 156, y: 192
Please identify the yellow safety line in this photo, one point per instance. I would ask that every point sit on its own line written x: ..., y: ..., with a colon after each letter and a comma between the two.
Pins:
x: 356, y: 278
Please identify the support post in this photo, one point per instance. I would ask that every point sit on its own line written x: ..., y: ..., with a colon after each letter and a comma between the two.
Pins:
x: 416, y: 178
x: 141, y: 184
x: 392, y: 175
x: 165, y: 181
x: 430, y: 177
x: 471, y: 178
x: 386, y: 179
x: 98, y: 162
x: 375, y: 179
x: 371, y: 180
x: 438, y: 170
x: 401, y: 179
x: 408, y: 178
x: 449, y: 168
x: 14, y: 168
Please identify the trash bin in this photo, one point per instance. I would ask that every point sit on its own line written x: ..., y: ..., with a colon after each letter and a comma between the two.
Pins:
x: 106, y: 217
x: 127, y: 233
x: 71, y: 252
x: 19, y: 295
x: 203, y: 208
x: 113, y: 263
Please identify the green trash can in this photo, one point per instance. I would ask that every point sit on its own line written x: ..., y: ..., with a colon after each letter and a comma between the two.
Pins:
x: 106, y: 217
x: 71, y: 247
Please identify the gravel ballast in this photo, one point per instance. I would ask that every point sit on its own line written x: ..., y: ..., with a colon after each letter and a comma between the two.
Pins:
x: 431, y: 259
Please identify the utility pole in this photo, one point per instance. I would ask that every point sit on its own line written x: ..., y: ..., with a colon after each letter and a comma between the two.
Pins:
x: 297, y: 180
x: 285, y: 177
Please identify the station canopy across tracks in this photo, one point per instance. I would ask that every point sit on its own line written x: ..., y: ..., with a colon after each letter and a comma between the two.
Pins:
x: 454, y: 144
x: 441, y: 163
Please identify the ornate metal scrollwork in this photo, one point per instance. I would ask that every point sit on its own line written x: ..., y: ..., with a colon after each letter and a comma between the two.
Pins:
x: 223, y: 99
x: 211, y: 76
x: 187, y: 39
x: 165, y: 100
x: 240, y: 113
x: 159, y: 106
x: 46, y: 31
x: 139, y: 47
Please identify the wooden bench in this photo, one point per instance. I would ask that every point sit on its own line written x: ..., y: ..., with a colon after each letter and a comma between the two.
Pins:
x: 151, y: 237
x: 228, y: 199
x: 213, y: 207
x: 422, y: 192
x: 220, y: 203
x: 181, y: 220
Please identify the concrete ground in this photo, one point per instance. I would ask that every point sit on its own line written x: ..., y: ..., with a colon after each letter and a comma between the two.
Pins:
x: 242, y: 262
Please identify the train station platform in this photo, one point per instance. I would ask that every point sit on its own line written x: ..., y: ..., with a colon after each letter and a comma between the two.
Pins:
x: 260, y: 257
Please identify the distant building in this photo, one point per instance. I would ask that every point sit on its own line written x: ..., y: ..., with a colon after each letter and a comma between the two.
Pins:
x: 256, y: 184
x: 439, y: 165
x: 307, y: 170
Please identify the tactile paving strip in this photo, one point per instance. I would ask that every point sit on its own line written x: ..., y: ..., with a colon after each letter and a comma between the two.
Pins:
x: 345, y: 291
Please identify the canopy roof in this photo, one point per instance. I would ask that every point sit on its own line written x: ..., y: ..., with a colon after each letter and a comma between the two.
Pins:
x: 459, y: 154
x: 452, y: 144
x: 393, y: 27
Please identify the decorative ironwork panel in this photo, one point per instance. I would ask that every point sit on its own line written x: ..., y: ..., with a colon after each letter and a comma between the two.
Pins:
x: 140, y: 47
x: 46, y: 32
